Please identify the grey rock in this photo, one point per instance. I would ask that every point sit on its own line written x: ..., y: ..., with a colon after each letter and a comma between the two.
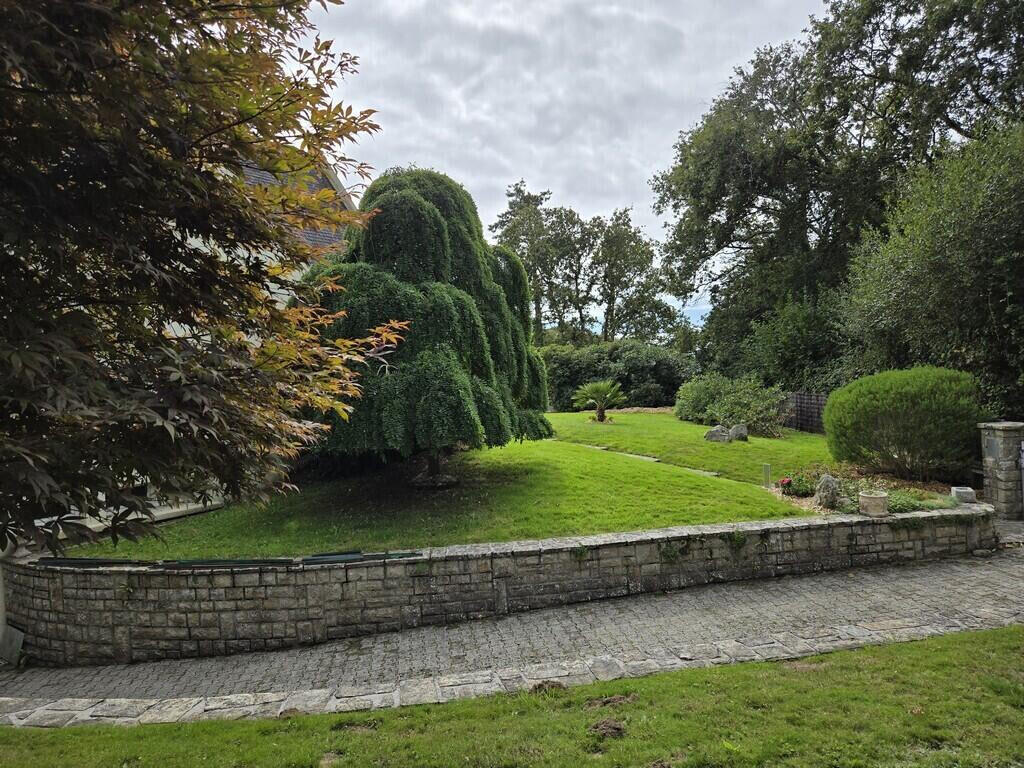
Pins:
x: 606, y: 667
x: 738, y: 432
x: 717, y: 434
x: 826, y: 493
x: 418, y: 691
x: 73, y: 705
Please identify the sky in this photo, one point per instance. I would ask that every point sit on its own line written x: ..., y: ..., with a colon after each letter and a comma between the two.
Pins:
x: 584, y: 99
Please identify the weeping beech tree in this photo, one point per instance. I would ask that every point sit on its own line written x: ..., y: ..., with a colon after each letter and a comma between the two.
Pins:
x: 466, y: 374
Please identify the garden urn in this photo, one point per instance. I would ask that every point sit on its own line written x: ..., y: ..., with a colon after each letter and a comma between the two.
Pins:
x: 874, y: 503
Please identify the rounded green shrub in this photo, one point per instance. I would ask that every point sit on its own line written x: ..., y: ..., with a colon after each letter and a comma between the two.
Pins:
x: 918, y: 423
x: 716, y: 399
x: 695, y: 397
x: 465, y: 374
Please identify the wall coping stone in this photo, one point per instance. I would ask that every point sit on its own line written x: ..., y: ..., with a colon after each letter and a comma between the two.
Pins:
x: 539, y: 546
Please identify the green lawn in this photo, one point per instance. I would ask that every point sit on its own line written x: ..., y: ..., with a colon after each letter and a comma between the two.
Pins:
x: 521, y: 491
x: 682, y: 443
x: 956, y: 700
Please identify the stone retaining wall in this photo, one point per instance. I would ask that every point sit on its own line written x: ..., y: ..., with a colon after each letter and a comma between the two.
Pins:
x: 109, y: 615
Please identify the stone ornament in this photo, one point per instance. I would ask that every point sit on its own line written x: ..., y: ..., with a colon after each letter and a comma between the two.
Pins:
x: 826, y: 493
x: 874, y: 503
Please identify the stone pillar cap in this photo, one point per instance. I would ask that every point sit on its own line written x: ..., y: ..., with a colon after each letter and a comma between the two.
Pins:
x: 1002, y: 425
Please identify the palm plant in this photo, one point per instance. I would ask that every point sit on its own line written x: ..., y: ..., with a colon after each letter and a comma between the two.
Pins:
x: 600, y: 395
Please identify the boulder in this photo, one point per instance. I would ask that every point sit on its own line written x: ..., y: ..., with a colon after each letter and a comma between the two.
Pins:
x: 738, y: 432
x: 717, y: 434
x: 826, y: 493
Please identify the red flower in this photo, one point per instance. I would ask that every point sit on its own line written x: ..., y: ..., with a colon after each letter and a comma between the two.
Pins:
x: 785, y: 481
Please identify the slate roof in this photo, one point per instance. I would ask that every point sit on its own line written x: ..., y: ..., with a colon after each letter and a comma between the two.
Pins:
x: 314, y: 237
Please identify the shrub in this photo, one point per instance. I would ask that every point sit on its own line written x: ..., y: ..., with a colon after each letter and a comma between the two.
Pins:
x: 918, y: 423
x: 648, y: 374
x: 800, y: 484
x: 715, y: 399
x: 695, y: 398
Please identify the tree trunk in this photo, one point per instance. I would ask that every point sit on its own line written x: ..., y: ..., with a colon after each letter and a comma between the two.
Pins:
x: 600, y: 413
x: 538, y: 320
x: 433, y: 464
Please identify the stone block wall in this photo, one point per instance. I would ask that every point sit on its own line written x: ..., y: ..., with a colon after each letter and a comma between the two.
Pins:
x: 1001, y: 463
x: 125, y: 614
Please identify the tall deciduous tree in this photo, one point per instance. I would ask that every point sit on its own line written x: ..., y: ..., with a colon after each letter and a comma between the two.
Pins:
x: 943, y: 284
x: 521, y: 228
x: 143, y: 337
x: 572, y: 243
x: 629, y: 283
x: 772, y: 188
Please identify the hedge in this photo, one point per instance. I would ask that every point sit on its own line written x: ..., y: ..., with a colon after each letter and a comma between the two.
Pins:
x: 647, y: 373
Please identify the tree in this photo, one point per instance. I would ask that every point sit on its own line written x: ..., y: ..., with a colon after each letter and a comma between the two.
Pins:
x: 629, y: 284
x: 771, y: 190
x: 520, y: 227
x: 572, y: 244
x: 143, y: 340
x: 943, y: 283
x: 794, y: 346
x: 602, y: 395
x: 908, y: 74
x: 769, y: 198
x: 466, y: 375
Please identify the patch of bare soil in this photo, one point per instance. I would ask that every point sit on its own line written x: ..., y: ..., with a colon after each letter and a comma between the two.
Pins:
x: 805, y: 503
x: 609, y: 728
x: 609, y: 701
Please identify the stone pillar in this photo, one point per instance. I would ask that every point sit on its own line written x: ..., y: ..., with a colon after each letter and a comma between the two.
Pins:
x: 1001, y: 460
x: 4, y: 554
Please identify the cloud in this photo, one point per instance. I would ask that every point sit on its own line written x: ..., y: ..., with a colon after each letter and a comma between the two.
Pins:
x: 582, y: 97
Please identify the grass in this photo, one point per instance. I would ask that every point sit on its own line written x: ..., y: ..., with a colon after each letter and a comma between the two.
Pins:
x: 956, y: 700
x: 682, y: 443
x: 521, y: 491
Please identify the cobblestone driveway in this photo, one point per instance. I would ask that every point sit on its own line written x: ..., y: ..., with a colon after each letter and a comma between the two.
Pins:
x: 722, y: 623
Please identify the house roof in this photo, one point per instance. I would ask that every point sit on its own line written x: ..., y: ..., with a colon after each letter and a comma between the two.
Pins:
x: 327, y: 179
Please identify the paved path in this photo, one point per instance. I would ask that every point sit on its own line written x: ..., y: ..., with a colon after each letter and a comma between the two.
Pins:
x: 768, y: 619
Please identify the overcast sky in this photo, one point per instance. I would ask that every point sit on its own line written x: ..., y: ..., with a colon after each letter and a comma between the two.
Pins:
x: 582, y: 98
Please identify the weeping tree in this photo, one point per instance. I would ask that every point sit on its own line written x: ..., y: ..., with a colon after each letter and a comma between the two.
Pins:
x: 466, y: 374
